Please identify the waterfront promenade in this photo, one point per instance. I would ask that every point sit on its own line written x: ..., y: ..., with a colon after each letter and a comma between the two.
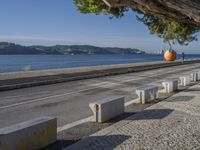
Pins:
x: 170, y: 124
x: 69, y: 101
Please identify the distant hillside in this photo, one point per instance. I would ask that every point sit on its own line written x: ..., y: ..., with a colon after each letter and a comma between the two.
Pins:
x: 15, y: 49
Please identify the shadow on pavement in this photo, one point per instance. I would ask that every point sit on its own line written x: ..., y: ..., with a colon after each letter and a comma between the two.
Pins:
x: 93, y: 142
x: 193, y: 90
x: 60, y: 144
x: 82, y: 131
x: 108, y: 142
x: 151, y: 114
x: 180, y: 98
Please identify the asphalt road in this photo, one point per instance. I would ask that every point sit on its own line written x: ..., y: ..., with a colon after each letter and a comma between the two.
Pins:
x: 69, y: 101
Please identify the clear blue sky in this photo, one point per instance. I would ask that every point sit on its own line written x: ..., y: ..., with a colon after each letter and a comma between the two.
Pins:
x: 50, y: 22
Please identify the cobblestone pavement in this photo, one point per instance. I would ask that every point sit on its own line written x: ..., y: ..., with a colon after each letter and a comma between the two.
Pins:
x: 173, y: 124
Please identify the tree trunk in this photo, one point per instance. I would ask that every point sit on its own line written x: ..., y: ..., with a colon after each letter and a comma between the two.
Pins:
x: 185, y: 11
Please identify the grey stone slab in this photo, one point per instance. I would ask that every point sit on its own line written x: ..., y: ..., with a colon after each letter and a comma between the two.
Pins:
x: 185, y: 80
x: 107, y: 109
x: 170, y: 85
x: 147, y: 93
x: 30, y: 135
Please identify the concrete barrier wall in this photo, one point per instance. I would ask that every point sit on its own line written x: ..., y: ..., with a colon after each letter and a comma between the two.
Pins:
x: 185, y: 80
x: 198, y: 78
x: 147, y: 93
x: 107, y: 109
x: 31, y: 135
x: 170, y: 86
x: 10, y: 81
x: 194, y: 76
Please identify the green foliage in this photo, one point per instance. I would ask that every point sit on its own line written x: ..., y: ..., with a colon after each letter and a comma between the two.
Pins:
x: 97, y: 7
x: 170, y: 31
x: 89, y: 6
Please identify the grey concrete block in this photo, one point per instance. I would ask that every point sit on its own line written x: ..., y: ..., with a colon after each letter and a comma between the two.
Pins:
x: 170, y: 85
x: 198, y: 77
x: 107, y: 109
x: 194, y: 76
x: 185, y: 80
x: 30, y: 135
x: 147, y: 94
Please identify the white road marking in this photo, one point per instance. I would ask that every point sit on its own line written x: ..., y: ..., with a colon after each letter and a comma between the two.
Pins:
x: 69, y: 93
x: 136, y: 74
x: 54, y: 96
x: 73, y: 124
x: 59, y: 95
x: 131, y: 102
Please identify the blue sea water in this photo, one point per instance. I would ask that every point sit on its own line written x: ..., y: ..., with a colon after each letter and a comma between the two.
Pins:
x: 11, y: 63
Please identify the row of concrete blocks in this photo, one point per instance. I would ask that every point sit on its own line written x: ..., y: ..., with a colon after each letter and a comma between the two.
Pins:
x: 107, y: 109
x: 41, y: 132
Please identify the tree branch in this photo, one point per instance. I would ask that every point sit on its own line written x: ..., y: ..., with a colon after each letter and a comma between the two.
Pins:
x: 185, y: 11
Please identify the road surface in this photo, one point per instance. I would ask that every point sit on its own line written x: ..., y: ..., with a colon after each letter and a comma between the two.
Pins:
x: 69, y: 101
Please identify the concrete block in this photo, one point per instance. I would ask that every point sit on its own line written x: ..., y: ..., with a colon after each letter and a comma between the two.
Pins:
x: 107, y: 109
x: 194, y: 76
x: 170, y: 85
x: 198, y: 77
x: 147, y: 94
x: 185, y: 80
x: 30, y: 135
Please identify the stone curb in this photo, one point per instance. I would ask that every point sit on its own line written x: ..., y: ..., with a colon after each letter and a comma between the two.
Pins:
x: 52, y: 79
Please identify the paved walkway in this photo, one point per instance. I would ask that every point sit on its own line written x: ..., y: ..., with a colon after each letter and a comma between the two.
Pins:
x: 171, y: 124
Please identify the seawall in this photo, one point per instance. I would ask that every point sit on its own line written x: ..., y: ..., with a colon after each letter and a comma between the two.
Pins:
x: 16, y: 80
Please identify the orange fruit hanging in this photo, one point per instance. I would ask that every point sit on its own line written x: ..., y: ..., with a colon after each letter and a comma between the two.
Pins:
x: 170, y: 55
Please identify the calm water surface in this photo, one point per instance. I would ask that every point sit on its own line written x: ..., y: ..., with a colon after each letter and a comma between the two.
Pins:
x: 10, y: 63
